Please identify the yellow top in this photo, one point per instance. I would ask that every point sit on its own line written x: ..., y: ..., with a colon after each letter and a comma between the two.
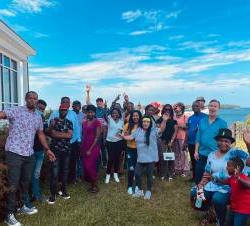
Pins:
x: 130, y: 143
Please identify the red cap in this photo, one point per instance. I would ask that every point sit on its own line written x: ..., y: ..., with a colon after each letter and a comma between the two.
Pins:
x: 64, y: 107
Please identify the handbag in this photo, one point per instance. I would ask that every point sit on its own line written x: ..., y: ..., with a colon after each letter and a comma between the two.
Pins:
x: 168, y: 155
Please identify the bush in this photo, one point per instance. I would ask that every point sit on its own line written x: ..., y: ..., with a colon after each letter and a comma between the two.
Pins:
x: 3, y: 189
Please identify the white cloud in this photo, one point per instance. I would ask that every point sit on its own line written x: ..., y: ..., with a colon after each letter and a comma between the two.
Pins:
x: 174, y: 14
x: 31, y: 6
x: 141, y: 32
x: 176, y: 37
x: 7, y: 13
x: 149, y: 21
x: 40, y: 35
x: 131, y: 16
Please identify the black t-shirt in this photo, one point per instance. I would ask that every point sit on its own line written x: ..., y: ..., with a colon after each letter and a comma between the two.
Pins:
x: 169, y: 130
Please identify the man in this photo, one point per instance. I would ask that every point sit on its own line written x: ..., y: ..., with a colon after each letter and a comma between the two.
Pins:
x: 202, y: 101
x: 76, y: 137
x: 75, y: 153
x: 39, y: 155
x: 192, y: 124
x: 24, y: 124
x: 208, y: 128
x: 61, y: 132
x: 101, y: 115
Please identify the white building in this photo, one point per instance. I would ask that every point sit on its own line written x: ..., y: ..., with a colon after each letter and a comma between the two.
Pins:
x: 14, y: 76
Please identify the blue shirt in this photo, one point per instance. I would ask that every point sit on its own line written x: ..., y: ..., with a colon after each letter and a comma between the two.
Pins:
x: 71, y: 116
x: 206, y: 133
x: 101, y: 112
x: 217, y: 167
x: 193, y: 124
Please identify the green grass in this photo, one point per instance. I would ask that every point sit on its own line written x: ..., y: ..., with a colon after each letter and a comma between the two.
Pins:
x: 112, y: 206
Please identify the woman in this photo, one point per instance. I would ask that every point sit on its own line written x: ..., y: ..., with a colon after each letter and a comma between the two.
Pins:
x: 217, y: 194
x: 90, y: 148
x: 150, y: 112
x: 166, y: 142
x: 131, y: 151
x: 181, y: 155
x: 146, y: 141
x: 114, y: 143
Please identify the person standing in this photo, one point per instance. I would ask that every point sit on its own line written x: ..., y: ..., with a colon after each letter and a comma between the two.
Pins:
x: 75, y: 140
x: 202, y: 101
x: 61, y: 130
x: 76, y: 106
x: 146, y: 141
x: 192, y: 125
x: 24, y: 124
x: 166, y: 142
x: 205, y: 144
x: 90, y: 148
x: 135, y: 120
x: 114, y: 143
x: 179, y: 146
x: 39, y: 155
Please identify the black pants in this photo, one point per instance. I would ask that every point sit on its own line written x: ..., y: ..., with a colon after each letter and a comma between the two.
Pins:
x: 60, y: 165
x: 131, y: 158
x: 191, y: 149
x: 114, y: 153
x: 74, y: 156
x: 20, y: 169
x: 140, y: 167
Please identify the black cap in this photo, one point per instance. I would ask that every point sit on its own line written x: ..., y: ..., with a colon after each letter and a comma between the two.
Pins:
x: 225, y: 133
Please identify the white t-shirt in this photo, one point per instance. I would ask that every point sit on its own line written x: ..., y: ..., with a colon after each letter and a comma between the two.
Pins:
x: 113, y: 129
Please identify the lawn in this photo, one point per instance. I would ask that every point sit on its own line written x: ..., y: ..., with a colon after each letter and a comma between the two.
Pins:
x: 112, y: 206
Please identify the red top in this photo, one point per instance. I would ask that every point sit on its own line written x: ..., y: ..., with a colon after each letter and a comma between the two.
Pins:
x: 240, y: 195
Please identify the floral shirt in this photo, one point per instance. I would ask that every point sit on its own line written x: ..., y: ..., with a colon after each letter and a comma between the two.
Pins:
x: 23, y: 127
x: 60, y: 125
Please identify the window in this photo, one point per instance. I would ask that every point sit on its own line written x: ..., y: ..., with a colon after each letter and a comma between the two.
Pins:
x: 8, y: 81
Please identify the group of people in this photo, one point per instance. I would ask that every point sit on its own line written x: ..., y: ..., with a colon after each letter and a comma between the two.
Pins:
x: 91, y: 136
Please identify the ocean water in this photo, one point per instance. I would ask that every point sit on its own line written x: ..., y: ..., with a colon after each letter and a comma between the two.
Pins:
x: 234, y: 115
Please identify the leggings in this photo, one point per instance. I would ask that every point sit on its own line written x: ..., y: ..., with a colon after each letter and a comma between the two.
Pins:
x: 114, y: 152
x: 140, y: 167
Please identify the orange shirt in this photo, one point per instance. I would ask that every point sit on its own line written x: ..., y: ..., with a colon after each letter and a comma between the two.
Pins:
x: 130, y: 143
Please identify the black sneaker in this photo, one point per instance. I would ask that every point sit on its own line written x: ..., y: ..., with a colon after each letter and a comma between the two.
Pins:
x: 65, y: 195
x: 51, y: 200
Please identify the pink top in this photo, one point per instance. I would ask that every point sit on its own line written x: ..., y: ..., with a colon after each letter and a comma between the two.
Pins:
x: 181, y: 133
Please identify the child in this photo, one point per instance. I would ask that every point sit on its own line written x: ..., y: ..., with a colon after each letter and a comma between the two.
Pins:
x: 240, y: 193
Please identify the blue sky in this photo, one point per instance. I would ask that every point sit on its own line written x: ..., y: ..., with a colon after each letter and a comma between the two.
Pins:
x: 153, y: 50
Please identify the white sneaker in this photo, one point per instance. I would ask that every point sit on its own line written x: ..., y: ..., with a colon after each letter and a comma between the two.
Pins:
x: 116, y: 178
x: 138, y: 194
x: 148, y: 195
x: 11, y: 220
x: 130, y: 191
x: 27, y: 210
x: 136, y: 189
x: 107, y: 179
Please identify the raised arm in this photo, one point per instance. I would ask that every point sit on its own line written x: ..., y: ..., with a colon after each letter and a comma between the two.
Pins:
x: 88, y: 88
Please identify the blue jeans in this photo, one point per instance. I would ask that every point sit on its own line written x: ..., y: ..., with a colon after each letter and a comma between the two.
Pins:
x: 238, y: 219
x: 218, y: 199
x: 36, y: 190
x: 131, y: 156
x: 60, y: 165
x: 200, y: 168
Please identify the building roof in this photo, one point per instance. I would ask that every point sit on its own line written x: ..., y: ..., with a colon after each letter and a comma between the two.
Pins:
x: 13, y: 36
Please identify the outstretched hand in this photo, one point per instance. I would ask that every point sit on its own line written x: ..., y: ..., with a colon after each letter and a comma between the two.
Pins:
x: 88, y: 88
